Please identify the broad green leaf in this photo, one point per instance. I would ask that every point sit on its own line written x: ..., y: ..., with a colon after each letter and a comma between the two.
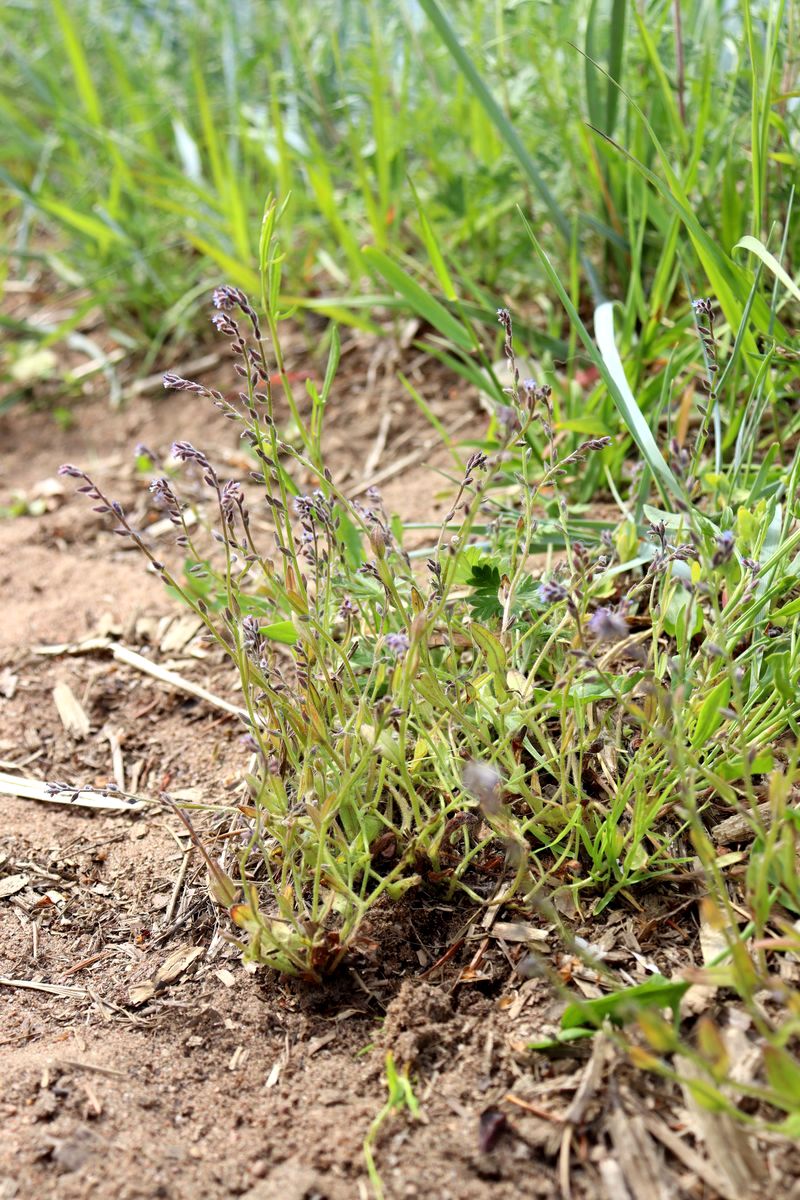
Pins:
x: 710, y: 718
x: 734, y: 768
x: 783, y: 1074
x: 280, y: 631
x: 496, y: 657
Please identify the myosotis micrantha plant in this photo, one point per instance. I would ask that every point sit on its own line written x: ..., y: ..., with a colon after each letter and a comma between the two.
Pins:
x: 608, y: 701
x: 476, y: 727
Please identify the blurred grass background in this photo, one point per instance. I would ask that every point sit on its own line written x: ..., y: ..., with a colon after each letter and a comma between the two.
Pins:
x: 140, y: 141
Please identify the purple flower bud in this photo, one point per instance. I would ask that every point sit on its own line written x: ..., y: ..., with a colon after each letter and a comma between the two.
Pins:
x: 551, y: 592
x: 608, y: 626
x: 225, y: 324
x: 724, y: 543
x: 251, y: 636
x: 225, y: 297
x: 397, y: 644
x: 484, y: 782
x: 304, y: 507
x: 163, y: 495
x: 176, y: 383
x: 230, y: 498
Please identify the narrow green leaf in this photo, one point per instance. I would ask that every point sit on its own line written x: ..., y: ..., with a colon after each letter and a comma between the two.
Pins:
x: 783, y: 1074
x: 609, y: 364
x: 236, y: 272
x: 432, y: 246
x: 333, y: 365
x: 84, y: 222
x: 423, y: 304
x: 623, y: 1006
x: 748, y: 242
x: 710, y: 718
x: 79, y: 63
x: 506, y: 131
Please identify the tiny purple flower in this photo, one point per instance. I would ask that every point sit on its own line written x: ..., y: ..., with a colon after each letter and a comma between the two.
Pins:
x: 551, y: 592
x: 608, y: 626
x: 397, y: 644
x: 724, y: 543
x: 484, y: 782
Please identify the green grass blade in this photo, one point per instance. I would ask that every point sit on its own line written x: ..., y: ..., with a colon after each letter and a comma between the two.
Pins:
x: 607, y: 360
x: 79, y: 63
x: 603, y: 109
x: 770, y: 262
x: 432, y: 246
x: 506, y: 130
x: 418, y: 298
x: 616, y: 56
x: 333, y: 365
x: 726, y: 278
x: 236, y: 272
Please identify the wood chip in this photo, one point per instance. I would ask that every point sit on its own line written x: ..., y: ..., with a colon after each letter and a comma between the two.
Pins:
x: 165, y: 526
x: 86, y: 646
x: 11, y: 884
x: 179, y: 633
x: 177, y: 964
x: 73, y: 717
x: 140, y: 993
x: 114, y: 737
x: 613, y: 1180
x: 695, y: 1162
x: 741, y: 827
x: 36, y: 789
x: 638, y: 1157
x: 8, y: 683
x: 173, y: 967
x: 33, y: 985
x: 730, y: 1146
x: 125, y: 655
x: 519, y: 931
x: 713, y: 944
x: 274, y: 1074
x: 76, y: 1065
x: 318, y: 1043
x: 237, y: 1058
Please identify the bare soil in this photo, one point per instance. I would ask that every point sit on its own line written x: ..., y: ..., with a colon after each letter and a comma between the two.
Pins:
x: 158, y: 1065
